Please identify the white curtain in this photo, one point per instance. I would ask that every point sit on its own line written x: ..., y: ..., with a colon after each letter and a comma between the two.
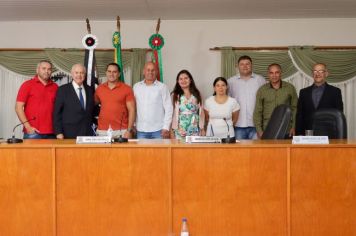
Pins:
x: 10, y: 83
x: 348, y: 88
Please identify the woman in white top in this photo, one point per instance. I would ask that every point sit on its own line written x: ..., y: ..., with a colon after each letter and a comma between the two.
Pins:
x: 221, y: 111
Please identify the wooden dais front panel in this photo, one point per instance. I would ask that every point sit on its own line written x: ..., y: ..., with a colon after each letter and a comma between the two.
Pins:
x: 230, y: 191
x: 323, y: 191
x: 27, y: 200
x: 113, y: 191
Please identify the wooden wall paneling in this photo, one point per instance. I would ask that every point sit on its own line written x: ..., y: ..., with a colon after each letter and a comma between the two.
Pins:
x: 253, y: 188
x: 230, y: 191
x: 323, y: 191
x: 27, y: 200
x: 113, y: 191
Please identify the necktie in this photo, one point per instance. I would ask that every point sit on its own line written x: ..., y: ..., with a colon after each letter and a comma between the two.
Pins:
x: 81, y: 98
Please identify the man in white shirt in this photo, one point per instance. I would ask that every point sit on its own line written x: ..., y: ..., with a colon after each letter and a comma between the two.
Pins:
x: 243, y: 87
x: 153, y: 104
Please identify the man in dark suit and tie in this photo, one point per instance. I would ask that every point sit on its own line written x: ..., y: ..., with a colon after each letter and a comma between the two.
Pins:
x: 73, y: 110
x: 317, y: 96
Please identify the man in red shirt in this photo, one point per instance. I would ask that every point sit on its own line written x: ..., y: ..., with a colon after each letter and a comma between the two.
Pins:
x: 35, y: 103
x: 117, y: 102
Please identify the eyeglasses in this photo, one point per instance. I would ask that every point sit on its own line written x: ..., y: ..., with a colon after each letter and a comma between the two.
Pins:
x: 319, y: 71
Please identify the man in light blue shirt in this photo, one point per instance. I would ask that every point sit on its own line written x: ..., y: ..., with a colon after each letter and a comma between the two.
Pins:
x: 153, y: 104
x: 243, y: 87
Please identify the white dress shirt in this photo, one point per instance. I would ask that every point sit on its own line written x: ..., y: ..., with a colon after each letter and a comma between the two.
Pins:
x: 244, y: 91
x: 76, y: 88
x: 154, y: 106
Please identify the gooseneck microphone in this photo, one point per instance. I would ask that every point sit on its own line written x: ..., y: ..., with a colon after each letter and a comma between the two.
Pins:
x: 228, y: 139
x: 121, y: 139
x: 18, y: 140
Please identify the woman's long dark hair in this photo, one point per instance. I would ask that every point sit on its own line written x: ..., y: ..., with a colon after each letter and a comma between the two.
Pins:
x: 178, y: 91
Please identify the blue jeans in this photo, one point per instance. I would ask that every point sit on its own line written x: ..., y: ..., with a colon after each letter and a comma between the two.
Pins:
x: 245, y: 133
x: 39, y: 136
x: 149, y: 135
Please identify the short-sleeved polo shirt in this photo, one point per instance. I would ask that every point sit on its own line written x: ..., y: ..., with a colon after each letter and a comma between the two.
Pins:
x: 39, y: 103
x: 113, y: 110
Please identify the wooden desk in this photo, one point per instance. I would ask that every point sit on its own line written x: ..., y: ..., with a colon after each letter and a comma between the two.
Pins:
x: 50, y: 187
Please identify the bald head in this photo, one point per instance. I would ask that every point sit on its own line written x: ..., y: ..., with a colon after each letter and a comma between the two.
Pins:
x: 150, y: 72
x: 44, y: 70
x: 320, y: 72
x: 78, y: 66
x: 78, y: 72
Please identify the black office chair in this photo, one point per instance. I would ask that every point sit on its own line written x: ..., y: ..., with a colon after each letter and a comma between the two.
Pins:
x: 330, y: 122
x: 278, y: 124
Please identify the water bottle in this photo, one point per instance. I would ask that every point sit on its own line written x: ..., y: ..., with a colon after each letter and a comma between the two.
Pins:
x: 109, y: 132
x: 184, y: 231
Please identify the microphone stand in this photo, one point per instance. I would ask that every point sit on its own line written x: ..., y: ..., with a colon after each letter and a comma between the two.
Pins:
x: 121, y: 139
x: 228, y: 139
x: 17, y: 140
x: 14, y: 140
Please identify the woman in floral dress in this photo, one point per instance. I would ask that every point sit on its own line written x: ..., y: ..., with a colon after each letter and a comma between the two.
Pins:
x: 188, y: 112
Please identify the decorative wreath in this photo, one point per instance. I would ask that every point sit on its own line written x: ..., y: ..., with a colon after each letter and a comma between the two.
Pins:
x: 156, y: 41
x: 90, y: 41
x: 116, y: 39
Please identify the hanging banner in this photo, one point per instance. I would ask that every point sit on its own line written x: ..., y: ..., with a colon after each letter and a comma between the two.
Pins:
x: 90, y: 42
x: 156, y: 42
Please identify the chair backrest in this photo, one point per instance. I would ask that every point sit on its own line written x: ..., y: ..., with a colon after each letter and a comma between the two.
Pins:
x: 330, y: 122
x: 278, y: 124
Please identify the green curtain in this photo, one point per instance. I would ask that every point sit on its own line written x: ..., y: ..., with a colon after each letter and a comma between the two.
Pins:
x: 227, y: 62
x: 22, y: 62
x: 25, y: 62
x: 138, y: 60
x: 340, y: 63
x: 260, y: 59
x: 64, y: 59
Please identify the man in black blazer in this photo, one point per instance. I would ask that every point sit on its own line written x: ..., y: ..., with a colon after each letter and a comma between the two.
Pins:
x: 73, y: 109
x: 317, y: 96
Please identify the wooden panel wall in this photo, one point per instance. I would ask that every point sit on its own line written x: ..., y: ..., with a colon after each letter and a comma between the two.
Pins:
x: 146, y: 189
x: 323, y: 191
x: 235, y: 191
x: 27, y: 197
x: 112, y: 191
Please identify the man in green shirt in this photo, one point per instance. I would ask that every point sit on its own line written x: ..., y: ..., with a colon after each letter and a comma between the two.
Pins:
x: 272, y: 94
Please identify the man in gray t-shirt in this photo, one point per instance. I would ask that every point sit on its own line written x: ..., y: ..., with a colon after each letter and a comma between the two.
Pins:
x: 243, y: 88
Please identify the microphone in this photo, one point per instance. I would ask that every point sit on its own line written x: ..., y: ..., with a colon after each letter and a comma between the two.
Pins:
x: 121, y: 139
x: 18, y: 140
x: 228, y: 139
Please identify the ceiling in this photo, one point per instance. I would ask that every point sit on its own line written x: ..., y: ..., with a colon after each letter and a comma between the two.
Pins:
x: 72, y: 10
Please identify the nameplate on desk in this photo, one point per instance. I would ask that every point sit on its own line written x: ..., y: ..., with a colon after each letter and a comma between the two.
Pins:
x: 93, y: 139
x: 202, y: 139
x: 310, y: 140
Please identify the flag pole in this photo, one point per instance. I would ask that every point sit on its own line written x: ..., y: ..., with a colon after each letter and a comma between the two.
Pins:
x: 116, y: 40
x: 88, y: 26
